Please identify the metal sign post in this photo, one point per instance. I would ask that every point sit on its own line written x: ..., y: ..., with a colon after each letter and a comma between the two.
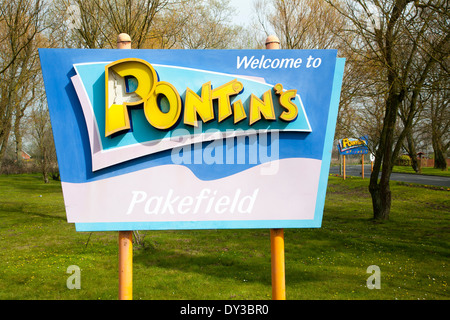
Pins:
x: 125, y: 237
x: 277, y: 235
x: 362, y: 166
x: 125, y: 265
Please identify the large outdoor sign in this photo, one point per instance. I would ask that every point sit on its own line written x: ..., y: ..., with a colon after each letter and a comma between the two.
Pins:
x: 193, y: 139
x: 353, y: 146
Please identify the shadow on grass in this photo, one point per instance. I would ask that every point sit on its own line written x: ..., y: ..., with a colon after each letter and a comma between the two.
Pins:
x: 31, y: 184
x: 211, y: 264
x: 211, y: 261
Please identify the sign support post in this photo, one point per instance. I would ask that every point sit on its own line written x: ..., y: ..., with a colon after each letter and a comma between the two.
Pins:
x: 362, y: 165
x: 125, y: 265
x: 125, y: 237
x: 344, y: 164
x: 278, y: 271
x: 277, y: 235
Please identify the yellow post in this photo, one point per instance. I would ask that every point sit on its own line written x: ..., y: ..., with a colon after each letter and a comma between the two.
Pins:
x: 362, y: 160
x: 125, y: 265
x: 278, y: 271
x: 125, y: 237
x: 277, y: 235
x: 344, y: 164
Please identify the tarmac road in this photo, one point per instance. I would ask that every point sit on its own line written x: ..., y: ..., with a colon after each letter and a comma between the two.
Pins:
x: 355, y: 170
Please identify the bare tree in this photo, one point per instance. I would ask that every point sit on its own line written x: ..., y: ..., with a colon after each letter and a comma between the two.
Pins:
x: 42, y: 138
x: 437, y: 112
x: 20, y: 21
x: 20, y: 24
x: 300, y: 24
x: 96, y: 23
x: 401, y: 38
x: 208, y: 26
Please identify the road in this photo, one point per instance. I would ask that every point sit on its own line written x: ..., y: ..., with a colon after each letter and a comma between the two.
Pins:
x: 355, y: 170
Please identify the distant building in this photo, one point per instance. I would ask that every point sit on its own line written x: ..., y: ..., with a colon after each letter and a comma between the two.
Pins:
x: 25, y: 156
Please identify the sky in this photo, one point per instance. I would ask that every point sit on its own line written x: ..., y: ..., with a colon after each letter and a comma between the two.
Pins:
x: 244, y: 9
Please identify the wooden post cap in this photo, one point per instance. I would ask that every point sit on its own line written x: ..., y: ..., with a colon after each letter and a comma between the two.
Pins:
x: 123, y: 37
x: 272, y: 42
x: 123, y: 41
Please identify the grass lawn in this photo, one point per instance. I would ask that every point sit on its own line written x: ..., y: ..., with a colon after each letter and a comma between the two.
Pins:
x: 411, y: 249
x: 425, y: 170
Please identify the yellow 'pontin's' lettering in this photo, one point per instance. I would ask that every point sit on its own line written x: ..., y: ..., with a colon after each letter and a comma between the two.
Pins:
x: 155, y: 116
x: 346, y: 143
x: 202, y: 106
x: 133, y: 82
x: 222, y: 94
x: 239, y: 111
x: 285, y: 101
x: 260, y: 107
x: 118, y: 99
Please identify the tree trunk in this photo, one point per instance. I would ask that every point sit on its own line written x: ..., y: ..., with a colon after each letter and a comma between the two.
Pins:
x: 380, y: 191
x: 439, y: 159
x: 384, y: 158
x: 4, y: 136
x: 415, y: 164
x: 381, y: 201
x: 18, y: 138
x: 44, y: 164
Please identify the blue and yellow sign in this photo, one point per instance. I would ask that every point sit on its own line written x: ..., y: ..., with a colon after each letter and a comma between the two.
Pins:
x: 193, y: 139
x: 353, y: 146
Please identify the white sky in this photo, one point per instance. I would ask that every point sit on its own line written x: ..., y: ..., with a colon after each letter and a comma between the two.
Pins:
x: 245, y: 10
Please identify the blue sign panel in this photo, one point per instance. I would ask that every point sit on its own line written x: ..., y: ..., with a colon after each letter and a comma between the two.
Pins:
x: 193, y: 139
x: 353, y: 146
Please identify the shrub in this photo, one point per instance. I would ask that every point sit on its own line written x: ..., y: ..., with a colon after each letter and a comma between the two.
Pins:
x: 403, y: 160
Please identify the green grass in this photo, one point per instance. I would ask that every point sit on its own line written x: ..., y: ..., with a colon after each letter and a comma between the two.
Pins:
x: 426, y: 171
x: 411, y: 249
